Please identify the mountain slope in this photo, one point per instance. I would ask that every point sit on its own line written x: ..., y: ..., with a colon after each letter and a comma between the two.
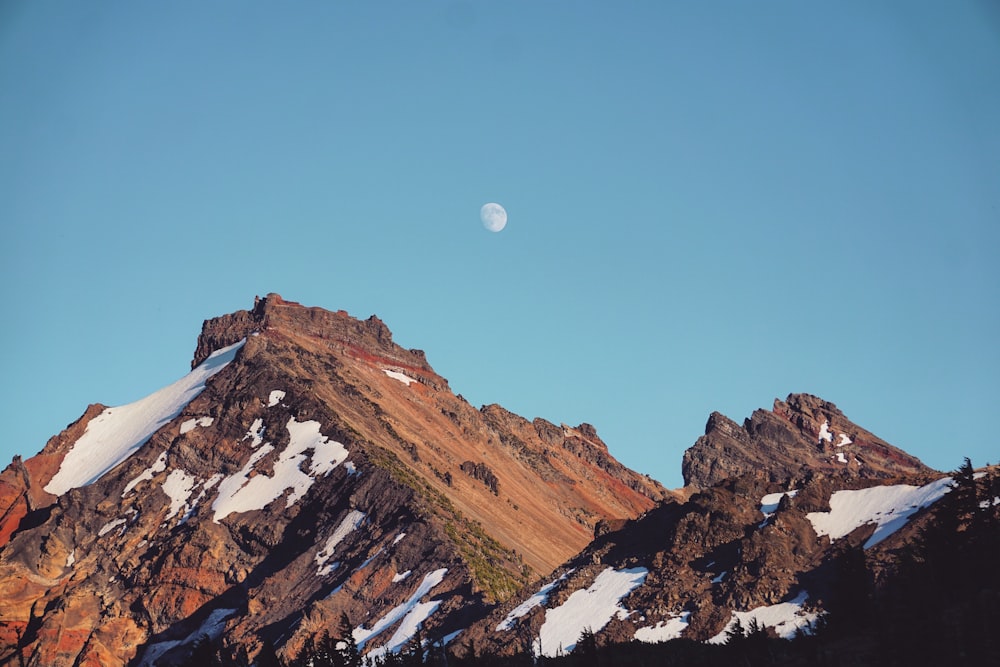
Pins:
x: 307, y: 466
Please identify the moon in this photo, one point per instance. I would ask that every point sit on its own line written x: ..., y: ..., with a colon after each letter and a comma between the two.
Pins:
x: 494, y: 216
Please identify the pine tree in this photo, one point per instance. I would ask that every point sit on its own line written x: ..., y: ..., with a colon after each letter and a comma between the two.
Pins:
x: 346, y: 649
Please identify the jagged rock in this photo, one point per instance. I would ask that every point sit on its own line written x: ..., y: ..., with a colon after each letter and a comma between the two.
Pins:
x: 798, y: 438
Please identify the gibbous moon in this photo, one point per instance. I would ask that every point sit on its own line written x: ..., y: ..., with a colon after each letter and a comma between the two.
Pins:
x: 494, y: 216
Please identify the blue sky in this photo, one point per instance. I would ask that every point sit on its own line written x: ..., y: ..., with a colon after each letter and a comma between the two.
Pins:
x: 710, y: 205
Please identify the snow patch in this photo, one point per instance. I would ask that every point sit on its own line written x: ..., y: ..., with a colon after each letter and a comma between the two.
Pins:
x: 888, y: 507
x: 536, y: 600
x: 396, y: 375
x: 824, y: 432
x: 348, y: 524
x: 400, y: 576
x: 841, y: 457
x: 193, y: 423
x: 769, y: 503
x: 718, y: 578
x: 241, y: 493
x: 591, y: 608
x: 277, y: 396
x: 212, y: 628
x: 412, y: 612
x: 109, y: 526
x: 146, y: 475
x: 785, y: 617
x: 71, y: 558
x: 178, y: 487
x: 844, y: 440
x: 115, y: 434
x: 256, y: 433
x: 664, y: 631
x: 398, y: 538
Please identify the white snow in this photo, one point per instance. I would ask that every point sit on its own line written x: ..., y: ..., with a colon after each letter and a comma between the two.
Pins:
x: 824, y: 432
x: 718, y: 579
x: 398, y: 538
x: 209, y: 483
x: 109, y: 526
x: 591, y: 608
x: 402, y: 377
x: 159, y: 465
x: 348, y: 524
x: 276, y: 397
x: 256, y: 433
x: 352, y: 470
x: 841, y: 457
x: 536, y: 600
x: 194, y: 422
x: 241, y: 493
x: 888, y: 507
x: 664, y: 631
x: 844, y: 440
x: 71, y: 558
x: 413, y: 612
x: 400, y: 576
x: 785, y: 617
x: 450, y: 637
x: 117, y: 433
x: 769, y: 503
x: 211, y: 628
x: 178, y: 487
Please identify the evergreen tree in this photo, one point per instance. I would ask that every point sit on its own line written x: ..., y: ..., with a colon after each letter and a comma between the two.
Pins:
x: 267, y: 656
x: 346, y: 649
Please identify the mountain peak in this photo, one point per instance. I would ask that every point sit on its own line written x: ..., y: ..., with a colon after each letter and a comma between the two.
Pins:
x: 799, y: 437
x: 306, y: 466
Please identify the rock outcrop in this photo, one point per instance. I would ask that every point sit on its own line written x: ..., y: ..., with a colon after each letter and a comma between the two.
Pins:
x: 798, y: 438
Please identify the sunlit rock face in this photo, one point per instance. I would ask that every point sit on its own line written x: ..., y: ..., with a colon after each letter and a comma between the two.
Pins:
x: 308, y: 466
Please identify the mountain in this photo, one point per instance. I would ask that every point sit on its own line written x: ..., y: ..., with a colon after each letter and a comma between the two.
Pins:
x: 307, y: 466
x: 310, y: 476
x: 799, y: 437
x: 795, y: 521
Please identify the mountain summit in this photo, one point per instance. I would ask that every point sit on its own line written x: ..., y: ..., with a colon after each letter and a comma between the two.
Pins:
x: 308, y: 466
x: 798, y: 438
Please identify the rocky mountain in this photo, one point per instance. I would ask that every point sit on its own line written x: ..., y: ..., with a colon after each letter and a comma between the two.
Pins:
x: 308, y: 466
x: 799, y: 437
x: 796, y: 518
x: 308, y: 469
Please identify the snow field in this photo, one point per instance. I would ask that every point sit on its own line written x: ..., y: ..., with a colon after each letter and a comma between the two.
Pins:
x: 241, y: 493
x: 347, y: 525
x: 536, y: 600
x: 888, y: 507
x: 413, y: 613
x: 785, y: 618
x: 664, y: 631
x: 117, y: 433
x: 588, y: 609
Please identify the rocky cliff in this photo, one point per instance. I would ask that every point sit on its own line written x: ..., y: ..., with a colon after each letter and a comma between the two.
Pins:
x: 799, y: 437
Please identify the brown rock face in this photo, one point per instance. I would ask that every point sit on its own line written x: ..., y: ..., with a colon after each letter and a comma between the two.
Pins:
x: 800, y: 437
x: 326, y: 469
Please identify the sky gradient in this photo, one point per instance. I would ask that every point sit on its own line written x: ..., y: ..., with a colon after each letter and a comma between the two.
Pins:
x: 710, y: 205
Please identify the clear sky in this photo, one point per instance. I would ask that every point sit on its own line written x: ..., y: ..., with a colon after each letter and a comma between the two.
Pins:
x: 711, y: 204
